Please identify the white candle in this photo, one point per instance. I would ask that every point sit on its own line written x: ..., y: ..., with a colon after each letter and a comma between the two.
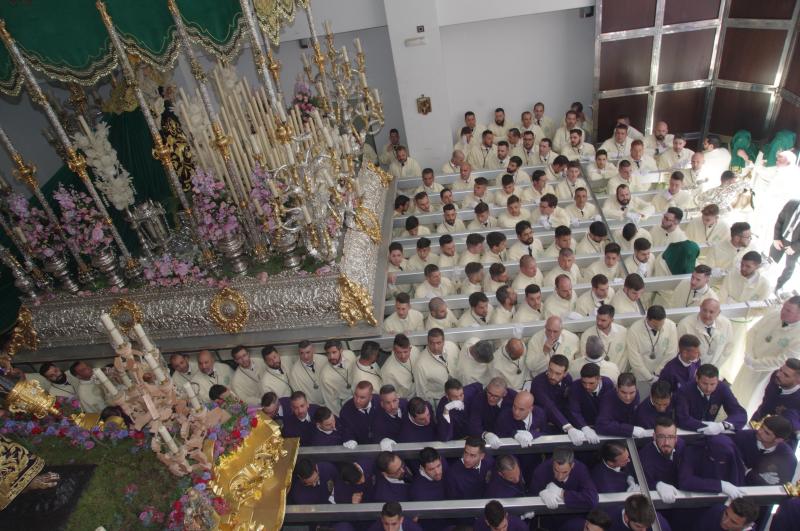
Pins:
x: 110, y: 387
x: 357, y: 43
x: 327, y: 135
x: 167, y: 439
x: 116, y: 338
x: 20, y: 234
x: 151, y: 361
x: 344, y: 54
x: 363, y: 77
x: 150, y: 405
x: 281, y: 112
x: 290, y: 153
x: 320, y: 89
x: 108, y: 323
x: 86, y: 129
x: 192, y: 396
x: 143, y: 339
x: 356, y: 188
x: 126, y: 380
x: 304, y: 57
x: 306, y: 214
x: 159, y: 374
x: 274, y: 189
x: 377, y: 95
x: 327, y: 25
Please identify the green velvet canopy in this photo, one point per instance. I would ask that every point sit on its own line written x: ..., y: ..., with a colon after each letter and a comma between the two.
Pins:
x: 66, y: 39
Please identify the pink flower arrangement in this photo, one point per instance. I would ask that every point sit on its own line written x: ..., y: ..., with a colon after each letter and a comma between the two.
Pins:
x: 217, y: 216
x: 303, y: 99
x: 168, y: 271
x: 262, y: 195
x: 41, y: 236
x: 81, y: 220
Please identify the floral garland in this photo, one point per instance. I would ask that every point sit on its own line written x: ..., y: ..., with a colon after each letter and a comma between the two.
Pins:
x: 40, y: 235
x: 217, y: 216
x: 168, y: 271
x: 82, y: 221
x: 261, y: 195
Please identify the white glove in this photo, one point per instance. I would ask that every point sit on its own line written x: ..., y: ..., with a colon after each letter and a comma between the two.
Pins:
x: 712, y: 428
x: 528, y: 515
x: 387, y: 444
x: 350, y: 445
x: 598, y: 217
x: 639, y: 432
x: 633, y: 217
x: 492, y: 440
x: 455, y: 404
x: 590, y: 435
x: 545, y: 223
x: 770, y: 477
x: 718, y: 272
x: 575, y: 222
x: 524, y: 438
x: 574, y: 316
x: 731, y: 490
x: 667, y: 492
x: 632, y: 485
x: 576, y: 436
x: 550, y: 498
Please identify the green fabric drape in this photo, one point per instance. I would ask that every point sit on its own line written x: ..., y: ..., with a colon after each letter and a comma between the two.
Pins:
x: 742, y: 140
x: 68, y: 41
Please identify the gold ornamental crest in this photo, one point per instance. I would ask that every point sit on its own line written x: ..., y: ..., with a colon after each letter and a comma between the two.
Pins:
x: 229, y: 310
x: 126, y: 313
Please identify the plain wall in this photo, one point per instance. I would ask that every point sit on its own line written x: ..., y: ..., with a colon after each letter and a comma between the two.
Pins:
x: 515, y: 62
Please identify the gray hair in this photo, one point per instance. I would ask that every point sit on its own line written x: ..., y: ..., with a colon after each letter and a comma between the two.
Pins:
x: 594, y: 348
x: 482, y: 351
x: 563, y: 456
x: 505, y: 462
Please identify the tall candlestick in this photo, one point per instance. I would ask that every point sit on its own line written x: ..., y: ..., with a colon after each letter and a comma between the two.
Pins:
x: 110, y: 387
x: 143, y: 339
x: 357, y: 43
x: 167, y: 439
x: 192, y: 396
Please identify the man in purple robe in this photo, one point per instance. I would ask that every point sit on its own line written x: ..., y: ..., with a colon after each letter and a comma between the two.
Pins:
x: 563, y: 480
x: 486, y: 406
x: 550, y: 389
x: 507, y: 480
x: 388, y: 418
x: 311, y: 482
x: 452, y: 411
x: 429, y: 483
x: 595, y: 520
x: 357, y: 412
x: 659, y: 404
x: 328, y: 431
x: 352, y: 484
x: 275, y: 408
x: 681, y: 370
x: 467, y: 477
x: 417, y: 424
x: 738, y: 515
x: 668, y: 465
x: 617, y: 410
x: 496, y: 518
x: 299, y: 422
x: 769, y: 460
x: 614, y: 472
x: 637, y: 514
x: 391, y: 479
x: 522, y: 418
x: 787, y: 516
x: 392, y: 519
x: 697, y: 406
x: 781, y: 397
x: 584, y: 398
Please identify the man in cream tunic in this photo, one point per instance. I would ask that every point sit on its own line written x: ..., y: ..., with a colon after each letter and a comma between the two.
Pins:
x: 503, y: 313
x: 677, y: 158
x: 509, y: 362
x: 769, y: 344
x: 274, y: 379
x: 626, y: 175
x: 545, y: 122
x: 89, y: 389
x: 405, y: 319
x: 577, y: 149
x: 553, y: 339
x: 480, y: 156
x: 530, y: 309
x: 398, y: 370
x: 728, y: 254
x: 565, y: 266
x: 622, y: 205
x: 246, y: 381
x: 660, y: 141
x: 619, y: 145
x: 436, y: 364
x: 565, y: 190
x: 56, y: 382
x: 674, y: 196
x: 581, y: 209
x: 210, y: 373
x: 601, y: 170
x: 745, y: 283
x: 471, y: 122
x: 305, y: 373
x: 450, y: 221
x: 454, y: 164
x: 601, y: 293
x: 404, y: 166
x: 526, y: 244
x: 612, y: 335
x: 650, y: 343
x: 707, y: 228
x: 562, y: 301
x: 561, y: 136
x: 334, y: 377
x: 182, y: 371
x: 714, y: 330
x: 693, y: 291
x: 366, y: 368
x: 528, y: 273
x: 439, y: 315
x: 474, y: 361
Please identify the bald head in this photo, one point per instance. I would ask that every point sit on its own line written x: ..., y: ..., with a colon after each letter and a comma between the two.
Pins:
x: 523, y: 405
x: 205, y: 361
x: 437, y: 308
x: 709, y: 311
x: 457, y: 158
x: 553, y: 321
x: 515, y: 348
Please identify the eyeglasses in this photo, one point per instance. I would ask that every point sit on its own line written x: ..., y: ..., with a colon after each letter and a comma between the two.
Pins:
x: 496, y: 397
x: 666, y: 437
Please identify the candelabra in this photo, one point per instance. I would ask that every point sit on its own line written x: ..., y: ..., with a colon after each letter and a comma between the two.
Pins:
x: 161, y: 152
x: 75, y: 161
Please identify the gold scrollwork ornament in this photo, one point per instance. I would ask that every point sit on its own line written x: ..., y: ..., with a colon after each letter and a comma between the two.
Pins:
x: 355, y: 303
x: 229, y: 310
